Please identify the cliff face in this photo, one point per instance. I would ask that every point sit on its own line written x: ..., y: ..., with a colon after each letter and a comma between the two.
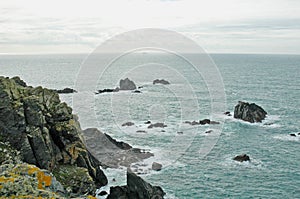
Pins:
x: 43, y: 129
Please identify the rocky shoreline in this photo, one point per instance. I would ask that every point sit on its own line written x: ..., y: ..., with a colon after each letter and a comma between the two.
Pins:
x: 42, y: 146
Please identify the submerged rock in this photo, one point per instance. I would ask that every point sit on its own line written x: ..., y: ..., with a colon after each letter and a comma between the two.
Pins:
x: 156, y: 125
x: 161, y: 81
x: 242, y: 158
x: 128, y: 124
x: 136, y: 188
x: 249, y: 112
x: 127, y: 84
x: 43, y: 129
x: 156, y: 166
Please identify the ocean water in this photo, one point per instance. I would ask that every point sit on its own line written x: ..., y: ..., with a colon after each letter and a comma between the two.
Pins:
x: 271, y: 81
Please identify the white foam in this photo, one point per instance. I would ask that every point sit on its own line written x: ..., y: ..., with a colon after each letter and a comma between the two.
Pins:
x: 288, y: 137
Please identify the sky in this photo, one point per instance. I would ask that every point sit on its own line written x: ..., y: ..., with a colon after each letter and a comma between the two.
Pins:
x: 218, y: 26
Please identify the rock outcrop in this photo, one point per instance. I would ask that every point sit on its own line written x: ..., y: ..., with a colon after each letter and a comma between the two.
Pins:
x: 202, y: 122
x: 161, y: 81
x: 43, y: 130
x: 112, y: 153
x: 249, y: 112
x: 136, y: 188
x: 242, y: 158
x: 127, y: 84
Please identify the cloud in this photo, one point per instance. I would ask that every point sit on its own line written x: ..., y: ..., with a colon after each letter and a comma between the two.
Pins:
x: 218, y: 25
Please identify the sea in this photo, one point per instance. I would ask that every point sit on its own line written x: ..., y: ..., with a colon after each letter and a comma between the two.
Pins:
x: 197, y: 161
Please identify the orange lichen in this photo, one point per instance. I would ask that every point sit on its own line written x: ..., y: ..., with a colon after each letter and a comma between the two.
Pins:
x: 43, y: 180
x: 91, y: 197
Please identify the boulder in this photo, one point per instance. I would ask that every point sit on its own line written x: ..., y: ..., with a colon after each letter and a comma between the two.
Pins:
x: 156, y: 166
x: 136, y: 188
x: 43, y: 130
x: 293, y: 134
x: 161, y: 81
x: 242, y: 158
x: 249, y: 112
x: 127, y: 84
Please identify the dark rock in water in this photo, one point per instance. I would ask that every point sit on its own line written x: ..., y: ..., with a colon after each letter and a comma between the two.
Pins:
x: 156, y: 125
x: 141, y: 131
x: 108, y: 90
x: 140, y: 87
x: 136, y: 91
x: 136, y: 188
x: 110, y: 152
x: 161, y: 81
x: 156, y: 166
x: 249, y: 112
x: 43, y: 129
x: 148, y: 122
x: 242, y: 158
x: 205, y: 121
x: 208, y: 121
x: 127, y: 84
x: 128, y: 124
x: 298, y: 133
x: 102, y: 193
x: 179, y: 132
x: 227, y: 113
x: 293, y: 134
x: 66, y: 91
x: 209, y: 131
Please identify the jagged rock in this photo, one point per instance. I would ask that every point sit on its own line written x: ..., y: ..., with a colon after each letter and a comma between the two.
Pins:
x: 110, y: 152
x: 44, y: 130
x: 156, y: 166
x: 161, y: 81
x: 128, y: 124
x: 156, y: 125
x: 249, y: 112
x: 66, y: 91
x: 242, y: 158
x: 127, y: 84
x: 136, y: 188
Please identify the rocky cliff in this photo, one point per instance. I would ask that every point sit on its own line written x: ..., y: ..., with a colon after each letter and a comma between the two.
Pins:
x: 42, y: 151
x: 45, y: 132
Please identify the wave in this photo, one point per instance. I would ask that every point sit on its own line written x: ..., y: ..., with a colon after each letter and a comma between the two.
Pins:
x: 288, y: 137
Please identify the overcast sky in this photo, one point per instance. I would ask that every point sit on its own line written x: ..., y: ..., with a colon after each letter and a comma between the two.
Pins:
x: 219, y: 26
